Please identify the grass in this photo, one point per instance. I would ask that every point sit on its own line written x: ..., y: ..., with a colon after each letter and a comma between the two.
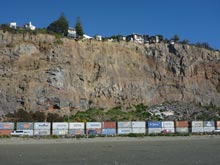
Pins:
x: 136, y: 135
x: 91, y: 136
x: 79, y: 136
x: 54, y: 137
x: 25, y: 136
x: 4, y: 136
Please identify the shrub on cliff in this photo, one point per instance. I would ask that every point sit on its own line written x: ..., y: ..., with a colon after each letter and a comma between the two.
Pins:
x: 185, y: 42
x: 39, y: 116
x: 23, y: 116
x: 54, y: 117
x: 5, y: 27
x: 204, y: 45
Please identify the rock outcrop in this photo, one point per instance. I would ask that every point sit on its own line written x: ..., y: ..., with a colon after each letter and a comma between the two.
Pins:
x: 40, y: 72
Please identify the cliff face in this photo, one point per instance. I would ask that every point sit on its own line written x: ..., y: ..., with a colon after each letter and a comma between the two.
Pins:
x: 38, y: 72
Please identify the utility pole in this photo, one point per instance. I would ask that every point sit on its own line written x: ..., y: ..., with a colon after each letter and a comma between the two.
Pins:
x: 70, y: 105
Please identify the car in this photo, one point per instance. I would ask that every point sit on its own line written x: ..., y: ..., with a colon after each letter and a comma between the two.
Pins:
x: 22, y: 133
x: 166, y: 131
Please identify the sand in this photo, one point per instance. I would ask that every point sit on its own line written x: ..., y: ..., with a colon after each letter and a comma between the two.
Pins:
x: 117, y: 150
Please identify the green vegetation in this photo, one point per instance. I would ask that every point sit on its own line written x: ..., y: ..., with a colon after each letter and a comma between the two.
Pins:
x: 60, y: 26
x: 114, y: 114
x: 4, y: 136
x: 20, y: 116
x: 155, y: 118
x: 38, y: 116
x: 79, y: 28
x: 135, y: 113
x: 185, y: 42
x: 54, y: 137
x: 54, y: 117
x: 58, y: 39
x: 41, y: 30
x: 46, y: 137
x: 79, y: 136
x: 136, y: 135
x: 117, y: 38
x: 24, y: 116
x: 6, y: 28
x: 141, y: 111
x: 210, y: 112
x: 176, y: 38
x: 204, y: 45
x: 25, y: 136
x: 91, y: 136
x: 89, y: 115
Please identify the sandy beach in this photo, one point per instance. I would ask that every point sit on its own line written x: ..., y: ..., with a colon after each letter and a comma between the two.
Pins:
x: 118, y: 150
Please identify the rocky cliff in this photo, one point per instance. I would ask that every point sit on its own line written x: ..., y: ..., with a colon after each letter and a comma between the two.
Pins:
x: 41, y: 72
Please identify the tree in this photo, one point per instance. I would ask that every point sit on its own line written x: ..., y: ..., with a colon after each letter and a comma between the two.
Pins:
x: 23, y: 116
x: 59, y: 26
x: 185, y: 41
x: 5, y: 27
x: 118, y: 37
x: 176, y: 38
x: 39, y: 116
x: 204, y: 45
x: 79, y: 28
x: 54, y: 117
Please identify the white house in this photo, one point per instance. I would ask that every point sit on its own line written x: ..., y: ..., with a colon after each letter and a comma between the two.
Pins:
x: 30, y: 26
x: 172, y: 42
x: 157, y: 39
x: 72, y: 32
x: 13, y: 25
x: 98, y: 37
x: 111, y: 40
x: 136, y: 38
x: 86, y: 37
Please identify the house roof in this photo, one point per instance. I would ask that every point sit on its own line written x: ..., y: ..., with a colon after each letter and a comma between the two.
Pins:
x: 71, y: 28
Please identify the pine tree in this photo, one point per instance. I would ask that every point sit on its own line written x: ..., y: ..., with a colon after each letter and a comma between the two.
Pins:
x: 79, y: 28
x: 176, y: 38
x: 59, y: 26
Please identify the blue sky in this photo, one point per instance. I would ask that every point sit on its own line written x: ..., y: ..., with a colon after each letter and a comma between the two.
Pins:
x: 195, y: 20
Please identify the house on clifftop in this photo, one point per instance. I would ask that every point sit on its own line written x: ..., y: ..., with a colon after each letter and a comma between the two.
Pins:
x: 30, y: 26
x: 72, y: 32
x: 13, y: 25
x: 138, y: 38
